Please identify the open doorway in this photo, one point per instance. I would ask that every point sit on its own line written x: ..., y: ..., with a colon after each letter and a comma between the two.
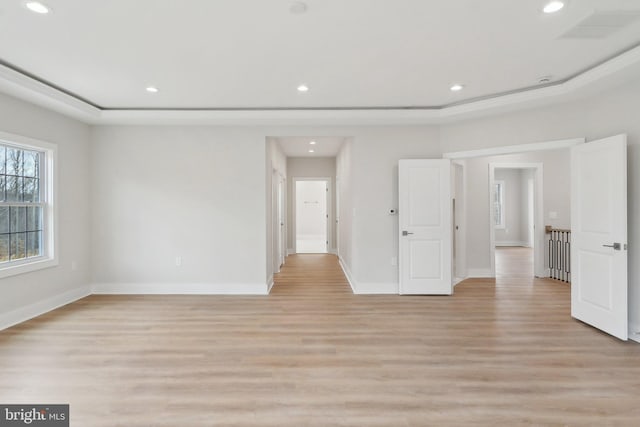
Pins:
x: 311, y: 215
x: 515, y: 208
x: 513, y: 205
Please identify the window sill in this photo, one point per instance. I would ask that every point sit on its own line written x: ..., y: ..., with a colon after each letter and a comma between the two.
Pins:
x: 28, y: 266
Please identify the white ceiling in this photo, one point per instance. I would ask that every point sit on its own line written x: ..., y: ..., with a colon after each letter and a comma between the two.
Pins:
x: 299, y: 146
x: 252, y: 54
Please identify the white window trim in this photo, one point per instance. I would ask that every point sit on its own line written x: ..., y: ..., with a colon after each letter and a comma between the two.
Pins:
x: 50, y: 215
x: 503, y: 212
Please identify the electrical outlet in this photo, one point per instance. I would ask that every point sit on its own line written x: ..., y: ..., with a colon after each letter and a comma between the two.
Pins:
x: 178, y: 261
x: 74, y: 265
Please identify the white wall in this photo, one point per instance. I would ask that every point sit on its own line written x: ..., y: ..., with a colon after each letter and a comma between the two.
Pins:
x: 311, y: 167
x: 597, y: 117
x: 510, y: 234
x: 528, y: 206
x: 192, y: 192
x: 375, y: 154
x: 344, y: 208
x: 26, y: 294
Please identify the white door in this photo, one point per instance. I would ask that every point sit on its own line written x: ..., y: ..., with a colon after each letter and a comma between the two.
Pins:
x: 425, y: 226
x: 599, y: 234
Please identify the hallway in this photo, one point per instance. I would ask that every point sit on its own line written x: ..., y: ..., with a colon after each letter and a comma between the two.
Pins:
x: 310, y: 274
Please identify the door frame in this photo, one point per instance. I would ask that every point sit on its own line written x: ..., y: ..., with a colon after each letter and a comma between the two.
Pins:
x: 459, y: 263
x: 294, y: 182
x: 511, y: 149
x: 538, y: 215
x: 278, y: 194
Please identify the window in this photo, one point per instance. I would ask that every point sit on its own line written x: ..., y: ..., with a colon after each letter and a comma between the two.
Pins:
x: 26, y: 215
x: 498, y: 204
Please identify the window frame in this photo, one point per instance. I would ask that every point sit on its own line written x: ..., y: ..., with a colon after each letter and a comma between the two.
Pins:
x: 503, y: 220
x: 48, y: 185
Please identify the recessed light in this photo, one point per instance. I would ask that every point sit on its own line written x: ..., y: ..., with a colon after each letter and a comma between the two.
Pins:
x: 152, y: 89
x: 37, y: 7
x: 312, y: 151
x: 298, y: 8
x: 312, y: 143
x: 303, y: 88
x: 553, y: 7
x: 456, y: 87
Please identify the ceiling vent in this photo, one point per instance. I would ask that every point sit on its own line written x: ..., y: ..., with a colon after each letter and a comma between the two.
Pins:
x: 602, y: 24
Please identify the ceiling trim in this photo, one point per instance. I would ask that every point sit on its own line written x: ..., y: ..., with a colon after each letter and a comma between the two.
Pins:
x: 514, y: 149
x: 23, y: 86
x: 19, y: 84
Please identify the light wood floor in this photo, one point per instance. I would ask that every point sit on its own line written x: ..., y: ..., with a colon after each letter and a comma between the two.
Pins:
x: 514, y: 262
x: 313, y: 354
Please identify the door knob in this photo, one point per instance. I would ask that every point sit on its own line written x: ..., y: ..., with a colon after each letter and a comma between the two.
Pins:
x: 615, y: 246
x: 405, y: 233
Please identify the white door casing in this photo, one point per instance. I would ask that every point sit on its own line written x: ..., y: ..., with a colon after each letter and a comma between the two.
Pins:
x: 425, y: 232
x: 598, y: 221
x: 281, y: 220
x: 459, y: 220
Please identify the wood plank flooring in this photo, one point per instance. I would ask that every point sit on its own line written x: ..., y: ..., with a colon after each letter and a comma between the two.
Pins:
x: 313, y: 354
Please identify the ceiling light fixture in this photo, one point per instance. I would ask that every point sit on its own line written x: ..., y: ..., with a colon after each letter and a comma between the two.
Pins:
x: 312, y: 143
x: 312, y: 151
x: 298, y: 8
x: 303, y: 88
x: 37, y: 7
x: 152, y: 89
x: 456, y: 87
x: 553, y: 7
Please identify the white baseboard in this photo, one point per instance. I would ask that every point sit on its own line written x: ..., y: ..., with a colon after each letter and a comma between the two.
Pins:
x: 367, y: 288
x: 347, y: 274
x: 270, y: 284
x: 290, y: 251
x: 457, y: 280
x: 634, y: 332
x: 180, y: 288
x: 39, y: 308
x: 377, y: 289
x: 479, y: 273
x: 511, y: 243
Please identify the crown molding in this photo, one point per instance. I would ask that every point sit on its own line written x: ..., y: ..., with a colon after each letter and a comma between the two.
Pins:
x: 22, y: 86
x: 623, y: 67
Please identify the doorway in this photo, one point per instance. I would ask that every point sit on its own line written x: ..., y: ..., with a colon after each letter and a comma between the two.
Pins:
x: 515, y: 191
x: 311, y: 215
